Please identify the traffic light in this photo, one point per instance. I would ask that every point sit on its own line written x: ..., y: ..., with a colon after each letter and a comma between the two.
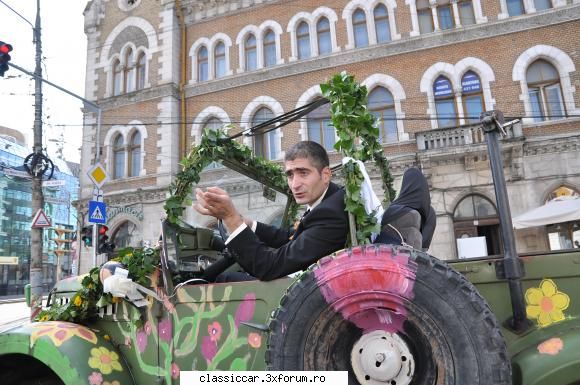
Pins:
x: 87, y: 236
x: 4, y: 57
x: 104, y: 245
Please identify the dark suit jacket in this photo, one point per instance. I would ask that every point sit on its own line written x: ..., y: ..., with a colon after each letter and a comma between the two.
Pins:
x: 269, y: 253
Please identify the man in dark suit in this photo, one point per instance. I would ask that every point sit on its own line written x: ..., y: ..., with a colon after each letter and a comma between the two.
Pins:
x: 267, y: 252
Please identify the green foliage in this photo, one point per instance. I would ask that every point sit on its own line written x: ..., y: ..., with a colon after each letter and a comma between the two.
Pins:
x: 357, y: 138
x: 85, y: 303
x: 215, y: 145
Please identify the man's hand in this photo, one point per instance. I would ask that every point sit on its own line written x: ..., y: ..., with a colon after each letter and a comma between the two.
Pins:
x: 217, y: 203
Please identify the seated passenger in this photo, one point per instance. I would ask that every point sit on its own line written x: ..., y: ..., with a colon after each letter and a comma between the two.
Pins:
x: 267, y: 252
x: 410, y: 216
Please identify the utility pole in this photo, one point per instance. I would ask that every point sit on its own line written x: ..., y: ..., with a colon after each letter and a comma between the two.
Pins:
x: 37, y: 197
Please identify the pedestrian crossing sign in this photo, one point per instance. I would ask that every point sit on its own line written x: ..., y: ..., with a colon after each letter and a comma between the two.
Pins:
x: 97, y: 212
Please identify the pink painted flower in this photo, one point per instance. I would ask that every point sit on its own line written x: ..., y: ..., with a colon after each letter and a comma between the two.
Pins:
x: 255, y: 340
x: 128, y: 341
x: 551, y: 346
x: 147, y: 327
x: 245, y: 311
x: 165, y: 330
x: 95, y: 378
x: 215, y: 331
x: 208, y: 348
x: 174, y: 371
x: 141, y: 340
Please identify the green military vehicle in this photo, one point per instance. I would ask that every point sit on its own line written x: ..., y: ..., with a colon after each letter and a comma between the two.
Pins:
x: 386, y: 314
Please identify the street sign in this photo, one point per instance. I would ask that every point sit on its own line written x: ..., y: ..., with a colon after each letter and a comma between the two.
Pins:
x: 57, y: 201
x: 8, y: 260
x: 12, y: 172
x: 53, y: 183
x: 98, y: 175
x: 40, y: 220
x: 97, y: 212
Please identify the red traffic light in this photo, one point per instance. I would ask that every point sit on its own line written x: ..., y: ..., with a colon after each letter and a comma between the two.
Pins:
x: 5, y: 48
x: 103, y: 230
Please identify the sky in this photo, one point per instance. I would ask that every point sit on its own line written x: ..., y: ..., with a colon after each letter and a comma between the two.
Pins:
x: 64, y: 57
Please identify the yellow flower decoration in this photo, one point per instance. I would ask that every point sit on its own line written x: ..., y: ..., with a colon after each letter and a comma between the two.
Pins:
x: 104, y: 360
x: 59, y: 332
x: 546, y: 303
x: 78, y: 301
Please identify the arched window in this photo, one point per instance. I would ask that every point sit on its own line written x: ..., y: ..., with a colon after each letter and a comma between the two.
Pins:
x: 382, y: 27
x: 545, y: 91
x: 515, y: 7
x: 472, y: 95
x: 135, y: 155
x: 466, y: 14
x: 323, y: 34
x: 359, y: 24
x: 320, y: 128
x: 564, y: 235
x: 444, y: 102
x: 251, y: 53
x: 220, y: 60
x: 127, y: 235
x: 542, y: 5
x: 141, y: 71
x: 303, y: 40
x: 382, y: 106
x: 269, y: 48
x: 425, y: 17
x: 445, y: 14
x: 213, y: 123
x: 129, y: 71
x: 118, y: 157
x: 117, y: 78
x: 265, y: 144
x: 202, y: 64
x: 475, y: 216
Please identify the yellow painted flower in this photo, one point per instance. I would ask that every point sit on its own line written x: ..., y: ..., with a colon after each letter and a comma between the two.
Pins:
x: 59, y: 332
x: 78, y: 301
x: 546, y: 303
x: 104, y: 360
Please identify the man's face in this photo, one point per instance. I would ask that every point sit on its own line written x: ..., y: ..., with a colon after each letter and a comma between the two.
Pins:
x: 305, y: 181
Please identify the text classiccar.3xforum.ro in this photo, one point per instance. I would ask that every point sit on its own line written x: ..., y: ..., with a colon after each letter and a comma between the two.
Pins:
x: 266, y: 378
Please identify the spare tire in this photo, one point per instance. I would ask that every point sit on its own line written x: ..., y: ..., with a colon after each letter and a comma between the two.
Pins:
x: 388, y: 315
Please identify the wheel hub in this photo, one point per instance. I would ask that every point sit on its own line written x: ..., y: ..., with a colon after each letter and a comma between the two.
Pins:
x: 380, y: 358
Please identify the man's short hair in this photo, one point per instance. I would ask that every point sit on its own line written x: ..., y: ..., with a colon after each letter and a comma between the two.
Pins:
x: 311, y: 150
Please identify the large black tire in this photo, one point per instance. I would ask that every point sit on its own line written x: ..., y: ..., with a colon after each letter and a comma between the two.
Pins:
x: 388, y: 315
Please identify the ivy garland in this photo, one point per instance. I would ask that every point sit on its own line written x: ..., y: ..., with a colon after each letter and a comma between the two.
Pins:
x: 84, y: 304
x: 216, y: 145
x: 353, y: 123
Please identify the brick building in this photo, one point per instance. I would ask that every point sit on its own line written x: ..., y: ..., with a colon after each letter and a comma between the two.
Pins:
x: 164, y: 70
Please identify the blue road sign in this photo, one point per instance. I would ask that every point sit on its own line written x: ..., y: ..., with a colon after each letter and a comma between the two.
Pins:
x: 97, y: 212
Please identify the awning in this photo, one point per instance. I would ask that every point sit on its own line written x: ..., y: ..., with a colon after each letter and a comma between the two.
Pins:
x: 561, y: 209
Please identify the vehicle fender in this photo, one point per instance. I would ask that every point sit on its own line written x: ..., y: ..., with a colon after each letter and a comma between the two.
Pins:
x: 77, y: 354
x: 551, y: 358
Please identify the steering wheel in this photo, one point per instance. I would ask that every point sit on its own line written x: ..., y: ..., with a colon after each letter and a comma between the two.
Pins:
x: 223, y: 231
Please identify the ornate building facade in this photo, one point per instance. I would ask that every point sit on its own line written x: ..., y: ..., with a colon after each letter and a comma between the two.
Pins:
x: 164, y: 70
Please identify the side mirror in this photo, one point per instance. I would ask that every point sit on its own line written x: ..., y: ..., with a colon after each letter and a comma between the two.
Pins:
x: 27, y: 293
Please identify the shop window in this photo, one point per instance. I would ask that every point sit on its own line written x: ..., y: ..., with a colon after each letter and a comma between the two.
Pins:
x: 564, y: 235
x: 320, y: 128
x: 544, y: 91
x: 476, y: 225
x: 382, y: 105
x: 359, y: 23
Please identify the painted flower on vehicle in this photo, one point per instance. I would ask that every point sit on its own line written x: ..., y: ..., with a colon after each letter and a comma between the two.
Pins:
x: 165, y: 330
x: 245, y: 311
x: 208, y: 348
x: 255, y: 340
x: 174, y: 371
x: 59, y: 332
x: 551, y: 346
x: 95, y: 378
x: 545, y: 303
x: 104, y: 360
x: 215, y: 331
x: 141, y: 340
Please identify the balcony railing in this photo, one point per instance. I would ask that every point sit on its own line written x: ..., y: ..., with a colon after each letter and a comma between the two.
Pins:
x: 459, y: 136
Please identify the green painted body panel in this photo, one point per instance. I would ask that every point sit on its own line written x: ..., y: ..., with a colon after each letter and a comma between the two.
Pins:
x: 543, y: 354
